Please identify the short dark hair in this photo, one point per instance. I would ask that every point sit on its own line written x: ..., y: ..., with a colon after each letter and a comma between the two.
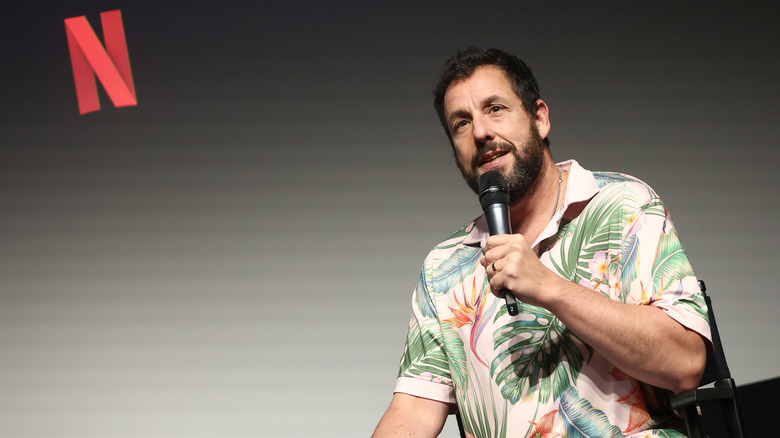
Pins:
x: 463, y: 64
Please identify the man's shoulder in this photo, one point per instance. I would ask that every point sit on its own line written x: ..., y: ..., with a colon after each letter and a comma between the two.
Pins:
x: 610, y: 183
x: 459, y: 240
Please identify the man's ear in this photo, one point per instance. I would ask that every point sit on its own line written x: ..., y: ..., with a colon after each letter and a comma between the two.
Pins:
x: 542, y: 118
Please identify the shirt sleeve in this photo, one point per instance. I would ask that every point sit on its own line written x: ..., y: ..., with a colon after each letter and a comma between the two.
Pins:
x: 656, y: 271
x: 424, y: 369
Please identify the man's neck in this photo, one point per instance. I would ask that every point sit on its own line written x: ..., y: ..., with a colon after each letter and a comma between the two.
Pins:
x: 534, y: 212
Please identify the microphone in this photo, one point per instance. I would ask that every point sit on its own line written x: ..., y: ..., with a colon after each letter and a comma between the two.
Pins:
x: 494, y: 197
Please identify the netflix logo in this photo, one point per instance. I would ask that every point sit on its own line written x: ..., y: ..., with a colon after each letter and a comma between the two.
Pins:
x: 89, y: 59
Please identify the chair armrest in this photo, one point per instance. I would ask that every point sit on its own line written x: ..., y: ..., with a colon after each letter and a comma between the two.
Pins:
x: 723, y: 390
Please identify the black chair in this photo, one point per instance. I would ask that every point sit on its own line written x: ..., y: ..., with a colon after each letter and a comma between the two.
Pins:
x: 716, y: 387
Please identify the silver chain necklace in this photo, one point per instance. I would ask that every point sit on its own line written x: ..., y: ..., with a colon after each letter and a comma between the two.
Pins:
x: 558, y: 196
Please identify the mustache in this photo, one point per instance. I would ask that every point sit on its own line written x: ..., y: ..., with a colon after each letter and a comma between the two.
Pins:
x: 490, y: 146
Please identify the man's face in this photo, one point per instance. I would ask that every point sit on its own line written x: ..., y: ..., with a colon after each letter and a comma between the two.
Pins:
x: 491, y: 130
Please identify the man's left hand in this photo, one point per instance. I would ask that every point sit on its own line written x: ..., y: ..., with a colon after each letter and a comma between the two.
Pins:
x: 511, y: 264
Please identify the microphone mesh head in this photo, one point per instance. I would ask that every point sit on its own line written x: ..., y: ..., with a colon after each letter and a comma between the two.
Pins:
x: 492, y: 189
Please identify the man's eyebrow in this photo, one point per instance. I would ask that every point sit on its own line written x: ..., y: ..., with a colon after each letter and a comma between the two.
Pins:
x: 461, y: 113
x: 490, y: 99
x: 485, y: 102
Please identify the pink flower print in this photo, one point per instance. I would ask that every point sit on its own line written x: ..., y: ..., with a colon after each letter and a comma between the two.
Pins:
x: 634, y: 223
x: 443, y: 380
x: 599, y: 265
x: 606, y: 270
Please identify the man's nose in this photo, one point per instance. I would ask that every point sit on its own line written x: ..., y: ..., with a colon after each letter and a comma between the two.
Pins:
x: 482, y: 130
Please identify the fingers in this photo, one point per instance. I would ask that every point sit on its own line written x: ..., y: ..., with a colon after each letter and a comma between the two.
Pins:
x: 496, y: 280
x: 491, y: 267
x: 513, y: 267
x: 497, y: 247
x: 503, y: 256
x: 495, y: 277
x: 499, y: 240
x: 493, y: 250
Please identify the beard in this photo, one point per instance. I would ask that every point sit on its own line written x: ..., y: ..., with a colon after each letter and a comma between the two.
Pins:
x: 521, y: 178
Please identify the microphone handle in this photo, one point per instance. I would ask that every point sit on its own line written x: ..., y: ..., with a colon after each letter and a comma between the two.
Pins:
x: 511, y: 302
x: 497, y: 216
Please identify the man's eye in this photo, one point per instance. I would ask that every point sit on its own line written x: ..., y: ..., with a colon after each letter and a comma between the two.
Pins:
x: 460, y: 124
x: 495, y: 109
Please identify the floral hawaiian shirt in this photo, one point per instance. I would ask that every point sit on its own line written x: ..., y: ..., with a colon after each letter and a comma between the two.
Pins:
x: 528, y: 375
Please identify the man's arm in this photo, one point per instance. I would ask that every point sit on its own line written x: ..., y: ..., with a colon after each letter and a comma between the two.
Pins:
x: 410, y: 416
x: 640, y: 340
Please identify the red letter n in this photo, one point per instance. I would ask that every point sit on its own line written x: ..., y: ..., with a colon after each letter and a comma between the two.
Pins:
x: 111, y: 65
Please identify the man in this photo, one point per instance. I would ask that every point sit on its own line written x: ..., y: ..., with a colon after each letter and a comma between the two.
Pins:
x: 611, y: 315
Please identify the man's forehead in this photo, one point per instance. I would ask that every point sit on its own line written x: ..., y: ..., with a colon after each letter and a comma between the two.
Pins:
x: 485, y: 81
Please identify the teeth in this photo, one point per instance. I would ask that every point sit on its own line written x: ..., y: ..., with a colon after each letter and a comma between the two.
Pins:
x: 493, y: 157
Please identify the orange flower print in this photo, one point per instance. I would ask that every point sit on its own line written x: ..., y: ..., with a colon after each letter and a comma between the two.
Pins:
x: 544, y: 427
x: 471, y: 312
x: 638, y: 414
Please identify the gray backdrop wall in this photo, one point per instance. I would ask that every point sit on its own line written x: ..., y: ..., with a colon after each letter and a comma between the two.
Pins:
x: 235, y: 255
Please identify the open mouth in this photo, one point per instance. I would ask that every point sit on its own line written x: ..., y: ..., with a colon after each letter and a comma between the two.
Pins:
x: 491, y: 156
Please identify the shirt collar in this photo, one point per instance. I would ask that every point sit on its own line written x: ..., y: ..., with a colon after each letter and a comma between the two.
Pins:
x: 580, y: 187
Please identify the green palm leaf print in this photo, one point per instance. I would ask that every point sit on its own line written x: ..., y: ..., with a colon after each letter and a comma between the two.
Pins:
x: 453, y: 348
x: 481, y: 417
x: 581, y: 420
x: 421, y: 343
x: 453, y: 270
x: 629, y: 260
x: 591, y: 233
x: 670, y: 263
x: 532, y: 346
